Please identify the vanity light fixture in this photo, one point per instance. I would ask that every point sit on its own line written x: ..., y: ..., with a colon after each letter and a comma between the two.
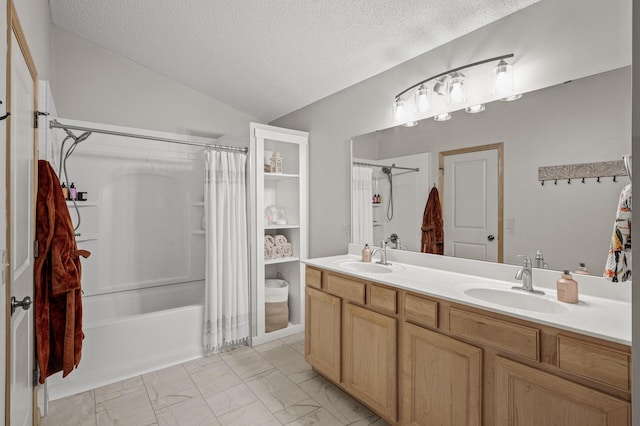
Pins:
x: 416, y: 100
x: 442, y: 117
x: 474, y: 109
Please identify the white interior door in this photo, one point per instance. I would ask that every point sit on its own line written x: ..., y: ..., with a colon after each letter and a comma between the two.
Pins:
x: 3, y: 203
x: 22, y: 192
x: 471, y: 205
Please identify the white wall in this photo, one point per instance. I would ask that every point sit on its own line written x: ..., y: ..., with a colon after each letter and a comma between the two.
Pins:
x: 91, y: 83
x: 588, y: 120
x: 35, y: 20
x: 553, y: 41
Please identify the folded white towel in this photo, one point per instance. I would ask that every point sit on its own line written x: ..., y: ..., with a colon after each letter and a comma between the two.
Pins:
x: 267, y: 253
x: 280, y: 240
x: 269, y: 241
x: 276, y: 252
x: 287, y: 250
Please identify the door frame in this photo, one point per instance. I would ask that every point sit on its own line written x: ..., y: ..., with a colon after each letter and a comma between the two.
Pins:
x: 14, y: 27
x: 494, y: 146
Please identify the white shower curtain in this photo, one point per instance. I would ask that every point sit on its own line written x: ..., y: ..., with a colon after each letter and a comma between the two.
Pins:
x: 226, y: 305
x: 361, y: 206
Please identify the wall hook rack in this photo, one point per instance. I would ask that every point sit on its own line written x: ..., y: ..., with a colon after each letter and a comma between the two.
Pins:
x: 583, y: 171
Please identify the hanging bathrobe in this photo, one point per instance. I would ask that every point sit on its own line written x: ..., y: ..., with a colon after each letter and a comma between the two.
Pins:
x: 618, y: 267
x: 432, y: 225
x: 57, y: 276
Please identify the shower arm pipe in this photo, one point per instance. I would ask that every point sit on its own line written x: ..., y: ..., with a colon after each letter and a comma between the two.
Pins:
x: 55, y: 124
x: 359, y: 163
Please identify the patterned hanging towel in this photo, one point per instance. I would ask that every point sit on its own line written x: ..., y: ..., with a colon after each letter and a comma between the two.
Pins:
x: 618, y: 267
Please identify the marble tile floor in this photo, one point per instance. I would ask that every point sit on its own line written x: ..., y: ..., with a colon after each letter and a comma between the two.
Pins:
x: 270, y: 384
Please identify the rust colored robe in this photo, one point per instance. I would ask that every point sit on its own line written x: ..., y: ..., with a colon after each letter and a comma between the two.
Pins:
x: 57, y: 292
x: 432, y: 225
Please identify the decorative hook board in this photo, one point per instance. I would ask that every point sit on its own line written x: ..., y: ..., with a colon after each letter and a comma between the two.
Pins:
x: 584, y: 170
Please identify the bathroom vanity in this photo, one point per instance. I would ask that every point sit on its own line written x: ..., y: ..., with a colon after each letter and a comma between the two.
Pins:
x: 425, y: 346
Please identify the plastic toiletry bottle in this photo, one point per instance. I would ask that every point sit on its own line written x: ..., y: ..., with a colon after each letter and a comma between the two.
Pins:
x: 366, y: 253
x: 72, y: 191
x: 65, y: 191
x: 567, y: 288
x: 582, y: 269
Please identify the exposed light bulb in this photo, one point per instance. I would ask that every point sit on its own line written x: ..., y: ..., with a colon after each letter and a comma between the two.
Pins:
x: 455, y: 88
x: 422, y: 99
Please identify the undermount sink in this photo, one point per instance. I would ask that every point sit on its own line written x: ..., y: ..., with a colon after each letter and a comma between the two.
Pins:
x: 374, y: 268
x: 516, y: 299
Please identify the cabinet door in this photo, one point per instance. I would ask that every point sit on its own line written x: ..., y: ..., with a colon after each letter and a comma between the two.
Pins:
x: 528, y: 397
x: 322, y: 333
x: 442, y: 379
x: 370, y: 366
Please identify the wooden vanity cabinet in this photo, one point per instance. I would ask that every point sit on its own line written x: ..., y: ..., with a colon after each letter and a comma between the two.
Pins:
x: 419, y: 360
x: 527, y: 396
x: 323, y: 334
x: 441, y: 379
x: 369, y: 354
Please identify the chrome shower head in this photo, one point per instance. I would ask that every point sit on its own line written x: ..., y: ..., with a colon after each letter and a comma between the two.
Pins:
x: 83, y: 137
x: 386, y: 170
x: 78, y: 139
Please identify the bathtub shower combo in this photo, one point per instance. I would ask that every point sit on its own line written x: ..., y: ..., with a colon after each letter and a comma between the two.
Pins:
x: 142, y: 219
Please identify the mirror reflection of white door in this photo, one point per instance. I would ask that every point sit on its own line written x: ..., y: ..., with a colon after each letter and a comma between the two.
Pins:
x: 21, y: 188
x: 471, y: 209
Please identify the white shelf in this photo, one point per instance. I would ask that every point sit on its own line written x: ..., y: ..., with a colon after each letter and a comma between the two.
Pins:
x: 287, y: 191
x: 281, y: 260
x: 377, y: 205
x: 282, y: 227
x: 83, y: 203
x: 278, y: 176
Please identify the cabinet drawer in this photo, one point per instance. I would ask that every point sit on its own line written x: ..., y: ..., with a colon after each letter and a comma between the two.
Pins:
x: 383, y: 298
x: 595, y: 362
x: 345, y: 288
x: 313, y: 277
x: 512, y: 338
x: 421, y: 311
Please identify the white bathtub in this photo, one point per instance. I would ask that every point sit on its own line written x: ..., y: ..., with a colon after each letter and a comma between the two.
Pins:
x: 134, y: 332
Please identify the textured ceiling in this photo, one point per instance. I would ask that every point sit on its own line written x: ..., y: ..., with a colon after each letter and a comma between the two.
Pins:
x: 269, y: 58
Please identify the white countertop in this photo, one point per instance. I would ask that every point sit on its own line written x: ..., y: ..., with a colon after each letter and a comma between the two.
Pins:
x: 595, y: 315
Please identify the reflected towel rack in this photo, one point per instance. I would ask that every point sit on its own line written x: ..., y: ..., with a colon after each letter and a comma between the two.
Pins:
x: 582, y: 171
x: 393, y: 166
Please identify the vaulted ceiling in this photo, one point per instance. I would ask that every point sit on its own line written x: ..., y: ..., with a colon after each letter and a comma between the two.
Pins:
x: 271, y: 57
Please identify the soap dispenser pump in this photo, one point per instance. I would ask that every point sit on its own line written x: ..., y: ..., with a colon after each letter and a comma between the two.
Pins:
x: 567, y: 288
x: 366, y: 253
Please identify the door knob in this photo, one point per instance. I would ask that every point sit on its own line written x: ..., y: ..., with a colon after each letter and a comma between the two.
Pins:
x: 24, y: 303
x: 491, y: 238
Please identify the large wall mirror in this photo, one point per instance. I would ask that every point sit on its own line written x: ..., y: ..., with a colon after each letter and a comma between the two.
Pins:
x: 582, y: 121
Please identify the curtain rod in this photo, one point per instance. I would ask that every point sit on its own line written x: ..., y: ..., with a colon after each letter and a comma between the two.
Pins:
x: 393, y: 166
x: 55, y: 124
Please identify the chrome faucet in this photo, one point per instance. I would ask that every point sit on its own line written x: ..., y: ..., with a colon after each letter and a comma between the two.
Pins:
x: 526, y: 275
x: 383, y: 253
x: 539, y: 261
